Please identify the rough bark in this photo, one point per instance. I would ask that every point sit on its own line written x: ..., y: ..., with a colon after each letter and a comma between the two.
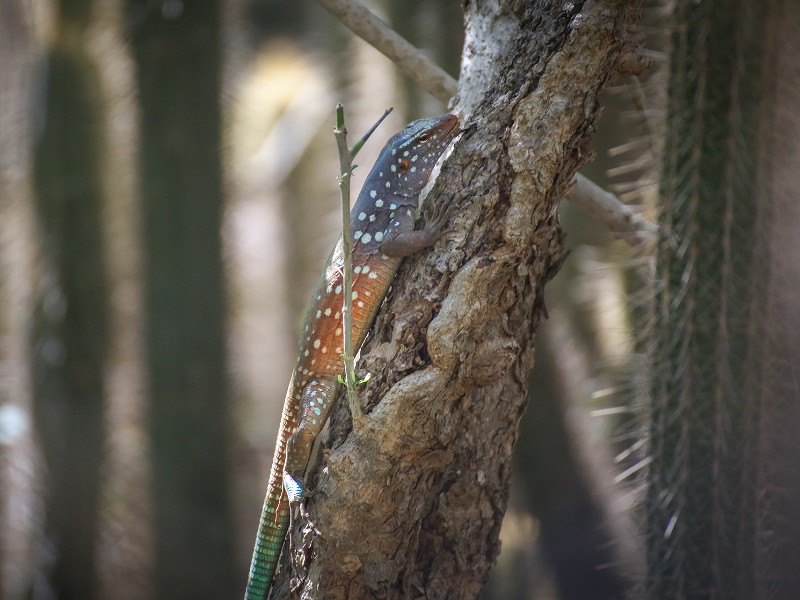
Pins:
x: 412, y: 504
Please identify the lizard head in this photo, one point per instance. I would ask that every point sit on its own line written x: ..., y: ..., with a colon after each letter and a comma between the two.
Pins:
x: 408, y: 158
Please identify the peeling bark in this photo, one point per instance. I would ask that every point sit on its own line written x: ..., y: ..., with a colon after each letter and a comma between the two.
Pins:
x: 412, y: 504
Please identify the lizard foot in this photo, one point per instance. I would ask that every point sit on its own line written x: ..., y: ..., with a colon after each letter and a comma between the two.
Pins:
x: 309, y: 494
x: 436, y: 219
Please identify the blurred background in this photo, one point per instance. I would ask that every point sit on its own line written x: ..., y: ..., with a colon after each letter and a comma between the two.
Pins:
x: 168, y: 186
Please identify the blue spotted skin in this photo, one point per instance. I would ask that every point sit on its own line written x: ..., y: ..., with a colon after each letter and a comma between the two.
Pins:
x: 382, y: 225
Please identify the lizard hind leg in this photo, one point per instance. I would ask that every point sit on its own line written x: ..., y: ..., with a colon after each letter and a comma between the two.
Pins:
x: 318, y: 397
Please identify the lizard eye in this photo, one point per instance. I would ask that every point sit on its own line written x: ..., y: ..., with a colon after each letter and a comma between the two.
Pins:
x: 423, y: 137
x: 404, y: 164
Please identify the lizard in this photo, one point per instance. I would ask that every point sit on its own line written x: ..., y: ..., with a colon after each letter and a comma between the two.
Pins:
x: 383, y: 233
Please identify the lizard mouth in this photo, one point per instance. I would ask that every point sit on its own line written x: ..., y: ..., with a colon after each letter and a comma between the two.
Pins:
x: 450, y: 125
x: 469, y: 127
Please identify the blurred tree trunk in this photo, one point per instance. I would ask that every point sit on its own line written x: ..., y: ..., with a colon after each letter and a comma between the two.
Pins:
x: 70, y: 330
x: 16, y: 56
x: 577, y: 537
x: 722, y: 508
x: 176, y: 46
x: 413, y: 500
x: 436, y: 28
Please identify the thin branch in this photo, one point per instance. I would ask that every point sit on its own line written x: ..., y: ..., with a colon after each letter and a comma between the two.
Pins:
x: 621, y: 219
x: 408, y: 58
x: 346, y: 157
x: 345, y: 171
x: 360, y: 143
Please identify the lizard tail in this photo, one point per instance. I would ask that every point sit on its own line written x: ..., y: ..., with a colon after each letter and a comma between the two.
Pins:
x: 274, y: 522
x: 271, y: 532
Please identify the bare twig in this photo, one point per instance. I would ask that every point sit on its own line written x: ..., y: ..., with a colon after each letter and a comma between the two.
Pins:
x: 363, y: 140
x: 346, y: 157
x: 409, y: 59
x: 345, y: 171
x: 621, y: 219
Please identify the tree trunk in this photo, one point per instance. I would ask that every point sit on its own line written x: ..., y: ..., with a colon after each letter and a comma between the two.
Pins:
x: 576, y: 527
x: 177, y: 51
x: 70, y: 327
x: 412, y: 503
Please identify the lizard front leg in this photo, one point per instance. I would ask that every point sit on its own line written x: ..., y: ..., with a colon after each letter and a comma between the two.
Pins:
x: 401, y: 239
